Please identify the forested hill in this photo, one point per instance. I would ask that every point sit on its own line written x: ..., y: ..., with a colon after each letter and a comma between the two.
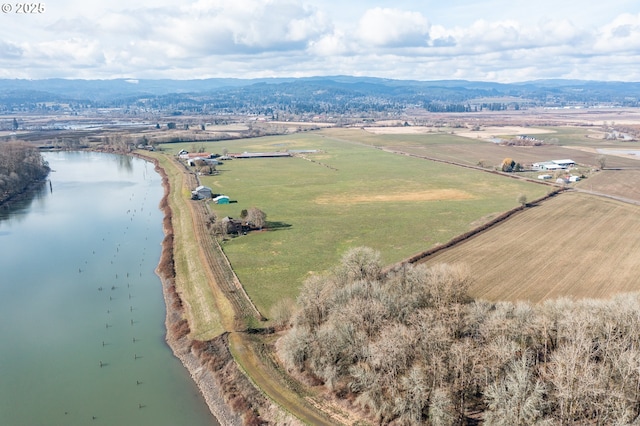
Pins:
x: 331, y: 94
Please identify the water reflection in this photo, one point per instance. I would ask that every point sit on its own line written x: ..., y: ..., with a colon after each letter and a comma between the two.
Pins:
x: 125, y: 163
x: 16, y: 208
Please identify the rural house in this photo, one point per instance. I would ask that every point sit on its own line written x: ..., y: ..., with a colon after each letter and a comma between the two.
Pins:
x: 201, y: 193
x: 235, y: 226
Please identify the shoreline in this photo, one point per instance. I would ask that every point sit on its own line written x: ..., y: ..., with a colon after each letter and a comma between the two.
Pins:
x: 231, y: 395
x: 181, y: 346
x: 204, y: 379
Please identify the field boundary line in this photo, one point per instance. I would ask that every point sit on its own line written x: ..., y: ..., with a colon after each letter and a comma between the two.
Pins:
x: 467, y: 166
x: 612, y: 197
x: 470, y: 234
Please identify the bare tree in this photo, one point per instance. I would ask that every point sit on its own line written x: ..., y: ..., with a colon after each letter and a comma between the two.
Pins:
x: 515, y: 399
x: 522, y: 200
x: 296, y: 346
x: 281, y: 313
x: 441, y: 409
x: 412, y: 348
x: 360, y: 263
x: 256, y: 217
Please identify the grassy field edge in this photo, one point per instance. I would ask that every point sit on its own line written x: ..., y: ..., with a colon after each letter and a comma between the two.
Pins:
x: 207, y: 329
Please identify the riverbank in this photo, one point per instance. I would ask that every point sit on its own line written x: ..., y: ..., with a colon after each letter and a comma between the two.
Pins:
x: 6, y: 199
x: 182, y: 348
x: 21, y: 167
x: 176, y: 327
x: 231, y: 396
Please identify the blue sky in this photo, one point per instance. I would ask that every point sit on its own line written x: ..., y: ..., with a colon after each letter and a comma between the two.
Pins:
x: 495, y: 40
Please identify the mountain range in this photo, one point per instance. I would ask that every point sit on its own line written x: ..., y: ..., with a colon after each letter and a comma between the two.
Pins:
x: 336, y: 94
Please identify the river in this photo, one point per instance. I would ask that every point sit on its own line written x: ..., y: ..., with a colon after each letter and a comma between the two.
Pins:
x: 81, y: 309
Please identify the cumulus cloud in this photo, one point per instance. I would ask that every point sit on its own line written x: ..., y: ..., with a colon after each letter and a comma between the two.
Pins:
x: 620, y: 35
x: 258, y: 38
x: 393, y: 28
x: 334, y: 44
x: 246, y: 26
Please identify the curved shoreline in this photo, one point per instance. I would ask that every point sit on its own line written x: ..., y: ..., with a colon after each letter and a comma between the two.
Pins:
x: 202, y: 376
x: 232, y: 396
x: 176, y: 338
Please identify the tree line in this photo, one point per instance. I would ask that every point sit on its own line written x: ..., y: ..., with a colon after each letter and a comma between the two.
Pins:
x: 411, y: 347
x: 21, y: 165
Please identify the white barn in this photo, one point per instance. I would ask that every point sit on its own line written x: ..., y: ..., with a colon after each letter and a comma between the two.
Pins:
x: 554, y: 165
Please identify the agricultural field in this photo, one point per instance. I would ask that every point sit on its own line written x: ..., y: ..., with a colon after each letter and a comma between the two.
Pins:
x: 571, y: 143
x: 318, y: 205
x: 617, y: 183
x: 574, y: 245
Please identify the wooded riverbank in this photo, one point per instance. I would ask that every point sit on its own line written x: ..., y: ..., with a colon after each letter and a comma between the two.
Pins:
x: 21, y: 168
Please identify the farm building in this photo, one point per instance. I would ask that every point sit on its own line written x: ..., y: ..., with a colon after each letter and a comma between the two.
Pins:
x: 544, y: 177
x: 207, y: 161
x: 221, y: 199
x: 553, y: 165
x: 184, y: 155
x: 201, y: 193
x: 546, y: 165
x: 565, y: 163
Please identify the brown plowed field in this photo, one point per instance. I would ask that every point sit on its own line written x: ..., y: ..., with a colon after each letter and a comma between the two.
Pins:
x: 573, y: 245
x: 620, y: 183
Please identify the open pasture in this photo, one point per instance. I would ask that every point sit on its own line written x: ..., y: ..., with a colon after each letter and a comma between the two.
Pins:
x: 346, y: 195
x: 574, y: 245
x: 450, y: 147
x: 493, y: 154
x: 490, y: 132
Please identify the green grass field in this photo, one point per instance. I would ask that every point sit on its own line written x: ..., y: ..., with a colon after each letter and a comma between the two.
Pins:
x: 205, y: 322
x: 349, y: 195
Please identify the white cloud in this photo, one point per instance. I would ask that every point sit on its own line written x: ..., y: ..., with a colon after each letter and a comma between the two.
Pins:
x: 393, y: 27
x: 620, y: 35
x: 334, y: 44
x: 385, y: 38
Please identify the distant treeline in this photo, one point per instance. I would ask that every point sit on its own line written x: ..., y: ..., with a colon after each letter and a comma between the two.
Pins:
x: 280, y: 98
x: 410, y: 347
x: 495, y: 106
x: 21, y: 165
